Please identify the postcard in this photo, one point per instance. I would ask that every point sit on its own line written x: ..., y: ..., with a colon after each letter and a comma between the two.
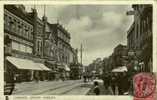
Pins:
x: 78, y: 50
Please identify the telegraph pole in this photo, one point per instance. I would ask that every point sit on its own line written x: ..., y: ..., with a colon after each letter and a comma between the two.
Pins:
x: 44, y: 30
x: 81, y: 54
x: 81, y: 58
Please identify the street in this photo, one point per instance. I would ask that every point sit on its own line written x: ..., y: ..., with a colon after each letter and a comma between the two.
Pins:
x: 72, y: 87
x: 68, y: 87
x: 47, y: 57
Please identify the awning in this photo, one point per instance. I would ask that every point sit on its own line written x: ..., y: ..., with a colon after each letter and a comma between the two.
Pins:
x: 27, y: 64
x: 42, y: 66
x: 23, y: 63
x: 120, y: 69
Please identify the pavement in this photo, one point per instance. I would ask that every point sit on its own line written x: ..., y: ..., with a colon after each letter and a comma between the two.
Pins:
x: 68, y: 87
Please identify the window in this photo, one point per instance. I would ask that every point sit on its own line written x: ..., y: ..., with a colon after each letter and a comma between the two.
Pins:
x: 10, y: 24
x: 18, y: 27
x: 136, y: 34
x: 37, y: 46
x: 139, y: 29
x: 21, y: 26
x: 14, y: 25
x: 15, y: 45
x: 24, y: 31
x: 22, y: 47
x: 147, y: 22
x: 26, y: 49
x: 144, y: 25
x: 27, y: 32
x: 5, y: 21
x: 29, y: 49
x: 31, y: 35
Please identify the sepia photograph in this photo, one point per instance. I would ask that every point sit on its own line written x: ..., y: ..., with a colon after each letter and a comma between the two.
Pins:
x: 78, y: 49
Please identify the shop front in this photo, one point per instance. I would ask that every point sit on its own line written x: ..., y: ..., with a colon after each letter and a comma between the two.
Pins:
x: 53, y: 74
x: 64, y: 71
x: 25, y: 70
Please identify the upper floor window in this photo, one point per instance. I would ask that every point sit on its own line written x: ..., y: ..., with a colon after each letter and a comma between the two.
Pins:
x: 15, y: 45
x: 5, y: 21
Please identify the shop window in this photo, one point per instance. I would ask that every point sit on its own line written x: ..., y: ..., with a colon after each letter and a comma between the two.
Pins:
x: 22, y: 48
x: 15, y: 45
x: 29, y: 49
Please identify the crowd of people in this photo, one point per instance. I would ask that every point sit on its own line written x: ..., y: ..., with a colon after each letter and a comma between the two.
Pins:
x: 88, y: 77
x: 117, y: 83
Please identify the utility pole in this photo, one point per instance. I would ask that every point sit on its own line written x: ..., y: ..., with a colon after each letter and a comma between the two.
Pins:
x: 44, y: 31
x: 81, y: 58
x: 81, y: 54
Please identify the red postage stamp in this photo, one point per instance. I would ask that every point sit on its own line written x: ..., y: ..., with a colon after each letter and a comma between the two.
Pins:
x: 144, y: 86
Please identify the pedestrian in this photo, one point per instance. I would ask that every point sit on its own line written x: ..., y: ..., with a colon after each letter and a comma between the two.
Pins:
x: 123, y: 83
x: 96, y: 88
x: 62, y: 77
x: 36, y: 76
x: 84, y: 77
x: 126, y: 83
x: 106, y: 80
x: 120, y: 84
x: 113, y: 83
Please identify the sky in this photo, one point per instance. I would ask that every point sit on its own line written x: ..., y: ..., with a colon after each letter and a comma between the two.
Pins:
x: 100, y: 28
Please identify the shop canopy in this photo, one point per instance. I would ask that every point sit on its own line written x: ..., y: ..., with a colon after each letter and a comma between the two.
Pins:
x: 120, y: 69
x: 42, y: 66
x: 26, y: 64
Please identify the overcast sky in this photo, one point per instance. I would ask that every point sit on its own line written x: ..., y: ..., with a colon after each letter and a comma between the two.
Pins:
x: 98, y: 27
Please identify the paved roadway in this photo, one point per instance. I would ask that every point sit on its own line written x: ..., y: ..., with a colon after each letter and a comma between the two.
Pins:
x: 68, y: 87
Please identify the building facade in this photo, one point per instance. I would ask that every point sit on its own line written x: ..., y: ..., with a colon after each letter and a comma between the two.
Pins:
x: 50, y: 43
x: 63, y: 43
x: 73, y: 56
x: 118, y: 58
x: 50, y: 49
x: 140, y: 34
x: 19, y: 29
x: 120, y: 55
x: 23, y: 33
x: 18, y: 26
x: 106, y: 67
x: 36, y: 40
x: 38, y: 33
x: 63, y: 50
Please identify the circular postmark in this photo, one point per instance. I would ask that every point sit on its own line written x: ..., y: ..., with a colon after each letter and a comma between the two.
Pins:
x: 144, y: 84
